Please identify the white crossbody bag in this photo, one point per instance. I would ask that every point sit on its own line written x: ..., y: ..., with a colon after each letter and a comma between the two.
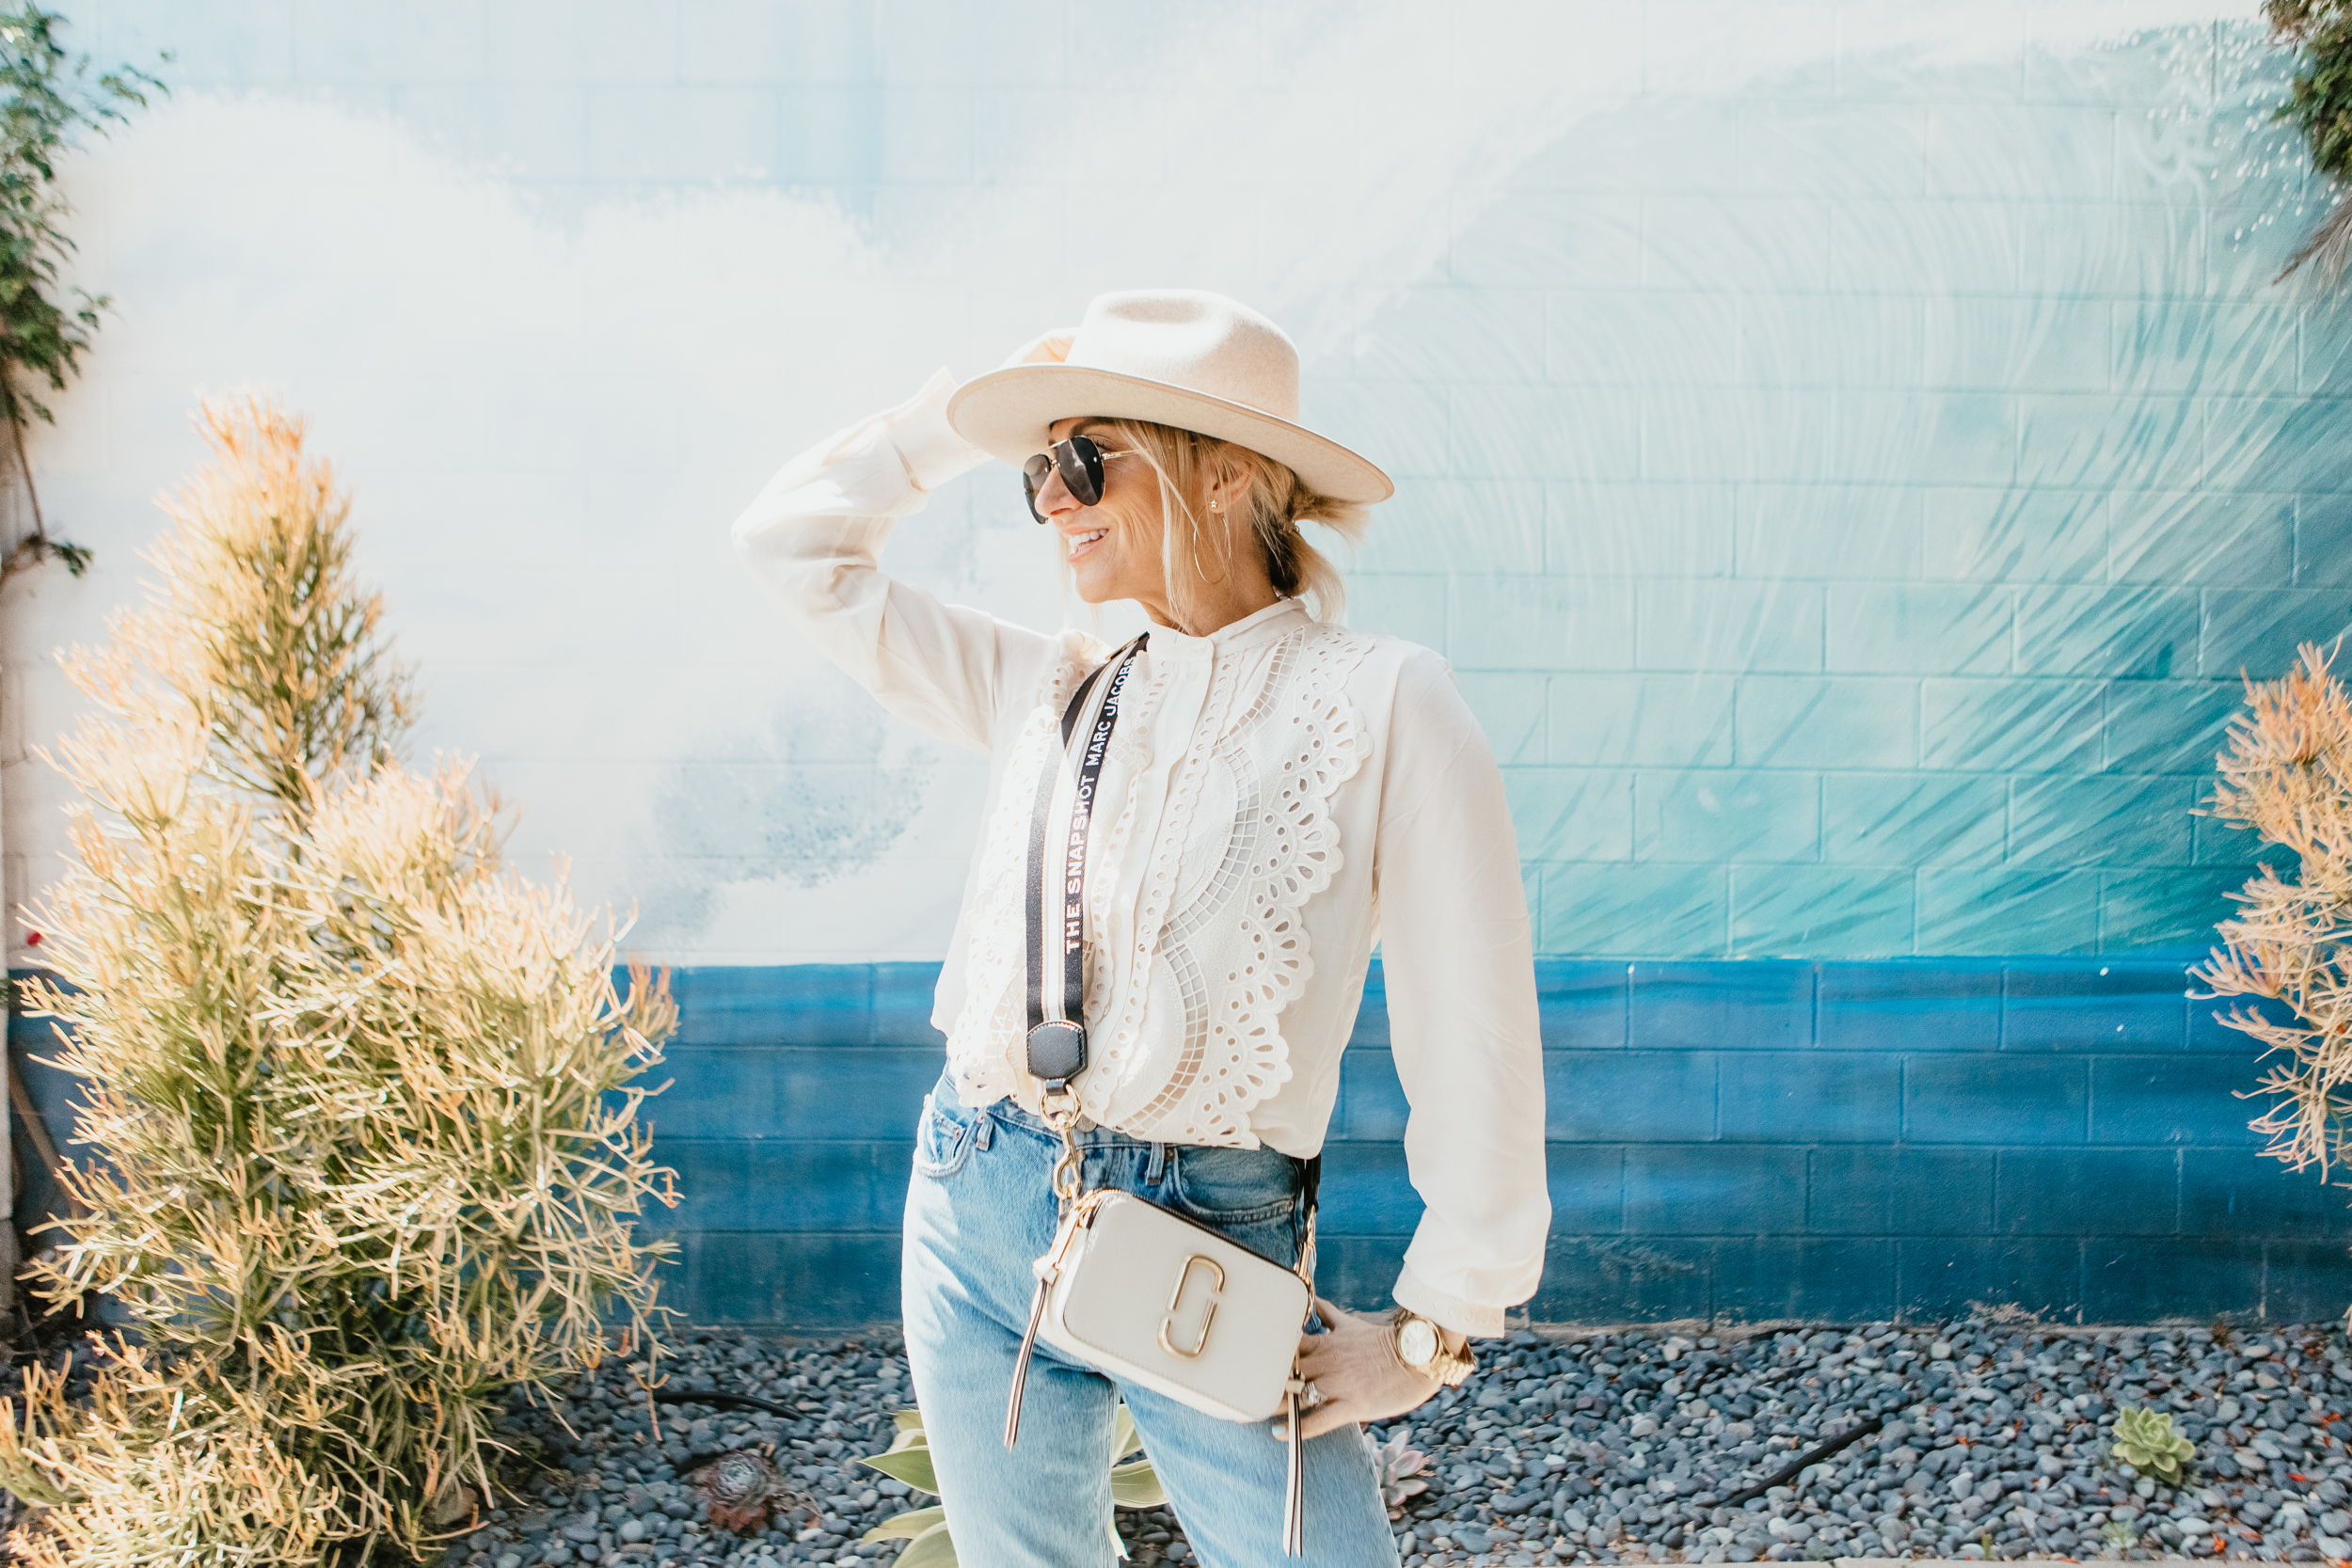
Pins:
x: 1130, y: 1288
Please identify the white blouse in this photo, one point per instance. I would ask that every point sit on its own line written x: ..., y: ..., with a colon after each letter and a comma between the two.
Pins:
x: 1279, y: 796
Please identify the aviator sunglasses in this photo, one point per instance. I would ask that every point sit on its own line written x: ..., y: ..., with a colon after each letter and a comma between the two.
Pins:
x: 1080, y: 464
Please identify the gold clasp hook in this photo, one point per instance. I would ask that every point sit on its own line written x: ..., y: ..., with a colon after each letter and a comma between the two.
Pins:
x: 1063, y: 1118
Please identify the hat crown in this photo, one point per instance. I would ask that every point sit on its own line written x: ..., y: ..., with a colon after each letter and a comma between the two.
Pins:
x: 1189, y: 338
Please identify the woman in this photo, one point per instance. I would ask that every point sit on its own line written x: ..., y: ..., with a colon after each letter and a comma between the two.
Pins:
x: 1279, y: 793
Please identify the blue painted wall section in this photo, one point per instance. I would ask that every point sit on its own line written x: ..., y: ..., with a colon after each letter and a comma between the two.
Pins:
x: 1740, y: 1141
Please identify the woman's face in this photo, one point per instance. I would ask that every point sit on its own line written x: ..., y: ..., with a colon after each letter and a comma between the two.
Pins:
x: 1113, y: 546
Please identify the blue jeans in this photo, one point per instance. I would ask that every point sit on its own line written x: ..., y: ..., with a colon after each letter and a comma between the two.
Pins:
x: 978, y: 1212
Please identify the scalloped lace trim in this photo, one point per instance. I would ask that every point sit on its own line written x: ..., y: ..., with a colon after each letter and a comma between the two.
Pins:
x: 1239, y: 951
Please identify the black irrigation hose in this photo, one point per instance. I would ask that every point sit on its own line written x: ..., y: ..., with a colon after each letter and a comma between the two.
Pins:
x: 719, y: 1401
x: 1798, y: 1466
x: 694, y: 1462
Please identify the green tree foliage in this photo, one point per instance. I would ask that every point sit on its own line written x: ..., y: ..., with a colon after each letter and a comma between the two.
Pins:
x: 50, y: 97
x: 2321, y: 102
x: 365, y: 1097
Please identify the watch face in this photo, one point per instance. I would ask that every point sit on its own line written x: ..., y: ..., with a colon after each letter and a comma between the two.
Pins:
x: 1416, y: 1343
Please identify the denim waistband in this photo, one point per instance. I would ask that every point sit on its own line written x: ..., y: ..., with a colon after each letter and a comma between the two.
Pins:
x: 1010, y: 1112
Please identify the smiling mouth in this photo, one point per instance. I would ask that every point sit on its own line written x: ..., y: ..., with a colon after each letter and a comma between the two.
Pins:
x: 1081, y: 543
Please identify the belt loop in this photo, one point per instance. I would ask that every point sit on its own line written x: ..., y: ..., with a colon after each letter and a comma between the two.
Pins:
x: 987, y: 1133
x: 1157, y: 1166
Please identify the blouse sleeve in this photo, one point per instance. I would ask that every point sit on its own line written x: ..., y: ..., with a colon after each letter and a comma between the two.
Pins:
x: 814, y: 537
x: 1460, y: 973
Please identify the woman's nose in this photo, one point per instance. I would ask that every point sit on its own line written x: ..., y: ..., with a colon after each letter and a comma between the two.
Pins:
x: 1055, y: 500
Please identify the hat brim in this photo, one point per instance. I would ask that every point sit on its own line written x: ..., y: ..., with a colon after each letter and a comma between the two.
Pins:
x: 1009, y: 414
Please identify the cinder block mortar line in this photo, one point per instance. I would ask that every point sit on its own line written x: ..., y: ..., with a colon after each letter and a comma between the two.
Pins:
x: 2180, y: 1191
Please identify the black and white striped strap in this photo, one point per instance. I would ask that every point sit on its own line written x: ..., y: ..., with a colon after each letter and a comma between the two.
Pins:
x: 1056, y: 905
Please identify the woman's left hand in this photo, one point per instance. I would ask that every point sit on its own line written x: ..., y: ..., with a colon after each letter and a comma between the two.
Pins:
x: 1353, y: 1366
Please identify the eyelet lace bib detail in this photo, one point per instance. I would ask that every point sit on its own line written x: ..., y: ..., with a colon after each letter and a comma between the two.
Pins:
x: 1185, y: 996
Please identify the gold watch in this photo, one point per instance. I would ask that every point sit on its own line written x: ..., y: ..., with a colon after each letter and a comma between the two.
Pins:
x: 1421, y: 1348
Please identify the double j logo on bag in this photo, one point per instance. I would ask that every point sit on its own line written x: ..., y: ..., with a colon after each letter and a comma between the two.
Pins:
x: 1214, y: 1272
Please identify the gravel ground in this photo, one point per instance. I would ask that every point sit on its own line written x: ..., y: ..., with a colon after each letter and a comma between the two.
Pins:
x: 1603, y: 1448
x: 1616, y: 1447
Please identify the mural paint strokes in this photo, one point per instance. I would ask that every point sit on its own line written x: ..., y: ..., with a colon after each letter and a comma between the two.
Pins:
x: 819, y: 802
x: 1782, y: 397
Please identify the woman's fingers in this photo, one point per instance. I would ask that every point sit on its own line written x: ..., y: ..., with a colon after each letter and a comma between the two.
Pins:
x: 1330, y: 1416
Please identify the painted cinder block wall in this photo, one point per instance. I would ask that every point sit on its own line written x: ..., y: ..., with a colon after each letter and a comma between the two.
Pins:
x: 1847, y: 454
x: 1741, y: 1142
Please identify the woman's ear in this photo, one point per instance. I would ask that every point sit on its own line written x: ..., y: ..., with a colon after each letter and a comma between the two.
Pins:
x: 1228, y: 483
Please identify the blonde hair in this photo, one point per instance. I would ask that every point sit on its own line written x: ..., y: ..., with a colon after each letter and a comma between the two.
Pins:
x: 1196, y: 543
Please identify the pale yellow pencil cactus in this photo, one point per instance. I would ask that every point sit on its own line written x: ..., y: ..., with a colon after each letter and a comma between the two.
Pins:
x: 2287, y: 774
x: 176, y: 1466
x: 364, y: 1097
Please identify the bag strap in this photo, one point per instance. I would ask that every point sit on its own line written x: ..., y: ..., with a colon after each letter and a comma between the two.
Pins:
x: 1056, y: 1036
x: 1060, y: 827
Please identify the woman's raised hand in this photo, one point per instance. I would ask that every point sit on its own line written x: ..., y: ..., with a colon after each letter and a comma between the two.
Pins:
x: 1051, y: 348
x: 1354, y: 1369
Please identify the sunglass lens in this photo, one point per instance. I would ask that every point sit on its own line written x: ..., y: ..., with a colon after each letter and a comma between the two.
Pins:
x: 1081, y: 463
x: 1033, y: 476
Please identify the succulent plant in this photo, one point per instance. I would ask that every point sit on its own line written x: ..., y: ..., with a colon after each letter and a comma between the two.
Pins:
x: 1399, y: 1469
x: 925, y: 1529
x: 742, y: 1488
x: 2144, y: 1439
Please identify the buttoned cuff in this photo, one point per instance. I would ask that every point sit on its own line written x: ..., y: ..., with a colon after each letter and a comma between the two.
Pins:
x: 927, y: 444
x: 1470, y: 1318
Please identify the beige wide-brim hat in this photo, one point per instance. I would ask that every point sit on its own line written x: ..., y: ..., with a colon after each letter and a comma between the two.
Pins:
x: 1175, y: 357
